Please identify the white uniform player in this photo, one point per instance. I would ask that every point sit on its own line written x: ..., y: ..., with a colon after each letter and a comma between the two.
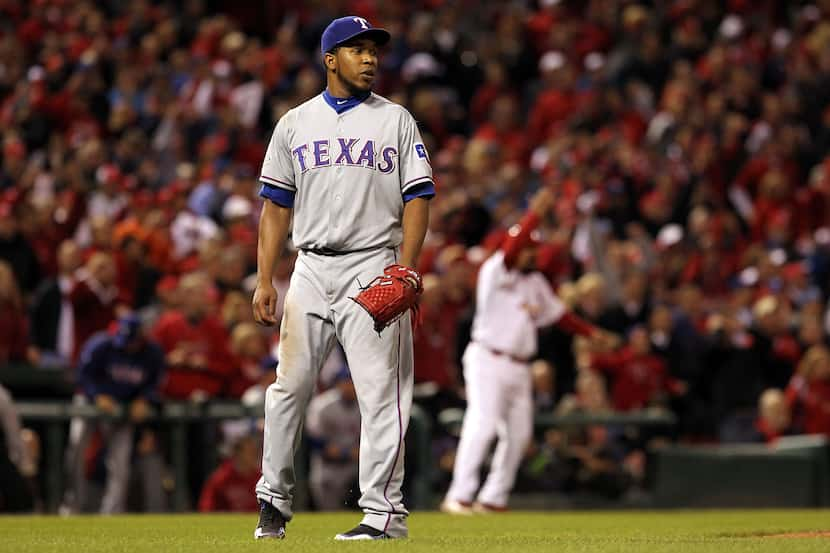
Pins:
x: 353, y: 169
x: 512, y: 302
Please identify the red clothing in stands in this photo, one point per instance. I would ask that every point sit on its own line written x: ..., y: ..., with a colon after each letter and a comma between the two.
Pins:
x: 247, y: 372
x: 14, y: 333
x: 551, y: 107
x: 811, y: 398
x: 94, y: 310
x: 637, y: 379
x: 228, y: 490
x: 513, y: 142
x: 206, y: 337
x: 434, y: 345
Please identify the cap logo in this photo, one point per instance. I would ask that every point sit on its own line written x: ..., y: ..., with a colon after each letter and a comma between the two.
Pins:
x: 363, y: 23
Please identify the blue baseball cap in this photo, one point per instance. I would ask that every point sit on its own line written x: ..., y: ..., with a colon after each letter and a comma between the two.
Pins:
x: 345, y: 28
x: 128, y: 329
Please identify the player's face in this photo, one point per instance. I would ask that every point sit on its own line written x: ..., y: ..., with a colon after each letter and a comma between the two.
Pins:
x: 526, y: 260
x: 356, y: 64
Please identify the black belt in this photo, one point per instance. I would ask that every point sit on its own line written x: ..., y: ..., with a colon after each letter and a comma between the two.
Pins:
x: 331, y: 252
x: 499, y: 353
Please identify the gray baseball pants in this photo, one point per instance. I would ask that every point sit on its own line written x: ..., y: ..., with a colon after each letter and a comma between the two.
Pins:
x: 318, y: 311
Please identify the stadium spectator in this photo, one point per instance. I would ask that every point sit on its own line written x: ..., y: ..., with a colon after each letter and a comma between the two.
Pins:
x: 252, y: 363
x: 119, y: 370
x: 198, y: 362
x: 17, y: 250
x: 137, y: 278
x: 638, y: 376
x: 333, y: 429
x: 435, y: 372
x: 228, y: 489
x: 52, y: 325
x: 93, y: 298
x: 809, y: 391
x: 774, y: 416
x: 543, y: 386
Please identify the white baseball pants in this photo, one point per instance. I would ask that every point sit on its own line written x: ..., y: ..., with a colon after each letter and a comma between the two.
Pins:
x: 499, y: 406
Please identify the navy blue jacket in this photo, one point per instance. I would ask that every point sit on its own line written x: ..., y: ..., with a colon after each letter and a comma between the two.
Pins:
x: 104, y: 368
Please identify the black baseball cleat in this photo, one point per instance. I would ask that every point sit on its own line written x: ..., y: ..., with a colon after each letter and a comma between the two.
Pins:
x: 363, y: 532
x: 271, y: 522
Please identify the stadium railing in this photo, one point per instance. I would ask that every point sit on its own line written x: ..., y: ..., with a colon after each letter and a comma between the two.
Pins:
x: 52, y: 415
x: 175, y: 417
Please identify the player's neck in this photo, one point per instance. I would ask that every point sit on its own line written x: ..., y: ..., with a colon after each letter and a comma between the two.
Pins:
x: 337, y: 89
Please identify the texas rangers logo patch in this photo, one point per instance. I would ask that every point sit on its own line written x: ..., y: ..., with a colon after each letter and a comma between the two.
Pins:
x: 421, y: 151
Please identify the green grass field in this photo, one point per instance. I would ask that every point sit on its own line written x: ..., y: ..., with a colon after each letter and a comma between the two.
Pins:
x: 525, y: 532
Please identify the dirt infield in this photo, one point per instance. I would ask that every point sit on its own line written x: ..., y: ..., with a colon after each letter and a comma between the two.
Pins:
x: 796, y: 535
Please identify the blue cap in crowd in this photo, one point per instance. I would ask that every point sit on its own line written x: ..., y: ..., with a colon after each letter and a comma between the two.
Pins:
x: 127, y: 330
x: 345, y: 28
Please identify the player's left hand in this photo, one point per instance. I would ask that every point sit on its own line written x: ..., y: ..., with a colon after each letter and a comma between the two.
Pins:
x: 390, y: 295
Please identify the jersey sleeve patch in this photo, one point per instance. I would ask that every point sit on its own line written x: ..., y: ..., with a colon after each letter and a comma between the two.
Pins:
x: 279, y: 196
x: 421, y: 151
x: 424, y: 189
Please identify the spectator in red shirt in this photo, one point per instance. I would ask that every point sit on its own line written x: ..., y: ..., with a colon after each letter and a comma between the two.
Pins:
x: 774, y: 416
x: 228, y: 489
x: 495, y: 84
x: 809, y: 391
x: 252, y: 363
x: 195, y: 342
x: 433, y: 345
x: 503, y: 127
x: 93, y: 297
x: 638, y: 376
x: 556, y: 103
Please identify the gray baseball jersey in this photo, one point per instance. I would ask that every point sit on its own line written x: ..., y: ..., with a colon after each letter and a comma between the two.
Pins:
x: 346, y: 174
x: 347, y: 167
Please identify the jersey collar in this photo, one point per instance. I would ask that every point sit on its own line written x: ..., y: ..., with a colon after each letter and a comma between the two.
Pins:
x: 344, y: 104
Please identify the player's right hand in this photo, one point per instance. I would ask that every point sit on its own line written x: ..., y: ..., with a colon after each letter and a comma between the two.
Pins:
x: 139, y: 410
x: 265, y: 304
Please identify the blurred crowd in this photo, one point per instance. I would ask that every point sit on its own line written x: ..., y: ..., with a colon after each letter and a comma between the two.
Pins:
x: 687, y: 143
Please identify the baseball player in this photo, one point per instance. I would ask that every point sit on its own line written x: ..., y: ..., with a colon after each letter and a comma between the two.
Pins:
x: 352, y: 169
x: 497, y: 365
x: 124, y: 368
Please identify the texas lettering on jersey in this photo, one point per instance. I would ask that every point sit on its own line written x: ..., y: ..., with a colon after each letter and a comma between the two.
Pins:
x: 352, y: 152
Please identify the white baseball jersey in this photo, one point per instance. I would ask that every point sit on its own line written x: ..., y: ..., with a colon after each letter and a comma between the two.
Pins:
x: 510, y: 306
x: 346, y: 173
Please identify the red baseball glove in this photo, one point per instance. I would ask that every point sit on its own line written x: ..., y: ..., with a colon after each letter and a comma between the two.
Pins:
x: 390, y: 295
